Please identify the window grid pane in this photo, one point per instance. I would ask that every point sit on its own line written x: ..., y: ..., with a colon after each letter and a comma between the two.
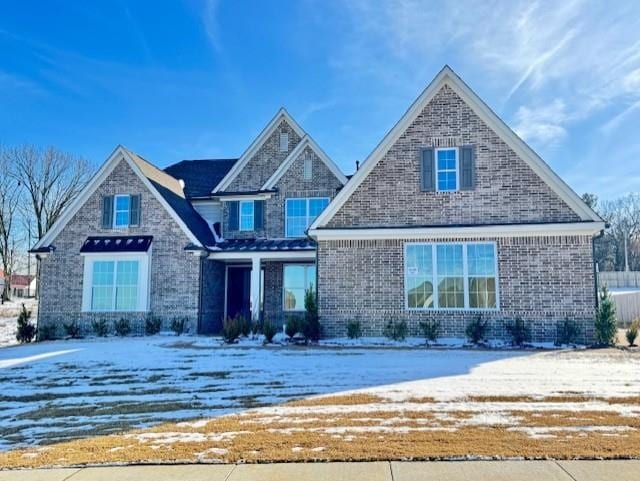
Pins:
x: 447, y: 172
x: 246, y: 215
x: 419, y: 276
x: 297, y: 279
x: 102, y: 286
x: 300, y: 213
x: 121, y: 210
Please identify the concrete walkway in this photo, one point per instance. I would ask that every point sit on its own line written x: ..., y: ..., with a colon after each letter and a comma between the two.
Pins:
x: 376, y: 471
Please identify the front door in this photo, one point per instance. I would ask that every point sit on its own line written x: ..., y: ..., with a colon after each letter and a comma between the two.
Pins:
x: 239, y: 292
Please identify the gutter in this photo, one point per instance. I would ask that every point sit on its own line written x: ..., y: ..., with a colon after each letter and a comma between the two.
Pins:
x: 595, y: 264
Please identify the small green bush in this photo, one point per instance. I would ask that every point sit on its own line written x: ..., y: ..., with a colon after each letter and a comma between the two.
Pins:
x: 179, y: 324
x: 100, y: 327
x: 311, y: 327
x: 605, y: 323
x: 632, y: 333
x: 476, y: 330
x: 269, y: 329
x: 26, y: 329
x: 567, y: 332
x: 122, y: 327
x: 152, y: 325
x: 430, y: 330
x: 519, y: 331
x: 354, y: 330
x: 291, y: 326
x: 47, y: 332
x: 72, y: 329
x: 396, y: 331
x: 231, y: 329
x: 245, y: 326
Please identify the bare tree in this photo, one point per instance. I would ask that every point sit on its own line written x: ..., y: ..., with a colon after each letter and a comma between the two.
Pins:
x: 10, y: 194
x: 52, y: 179
x: 621, y: 243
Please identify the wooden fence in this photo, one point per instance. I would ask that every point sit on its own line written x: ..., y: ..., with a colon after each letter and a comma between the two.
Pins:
x: 626, y: 299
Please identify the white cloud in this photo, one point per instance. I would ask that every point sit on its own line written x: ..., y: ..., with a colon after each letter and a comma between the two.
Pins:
x: 542, y: 125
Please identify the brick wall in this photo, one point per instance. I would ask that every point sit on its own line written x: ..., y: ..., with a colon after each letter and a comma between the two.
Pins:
x: 174, y: 282
x: 292, y: 184
x: 507, y: 189
x: 541, y: 279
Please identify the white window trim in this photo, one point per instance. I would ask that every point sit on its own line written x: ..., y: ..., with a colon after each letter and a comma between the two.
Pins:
x: 115, y: 211
x: 444, y: 149
x: 144, y: 276
x: 306, y: 270
x: 309, y: 219
x: 253, y: 215
x: 465, y: 278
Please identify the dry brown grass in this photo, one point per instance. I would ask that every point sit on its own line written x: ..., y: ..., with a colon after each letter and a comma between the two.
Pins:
x: 359, y: 435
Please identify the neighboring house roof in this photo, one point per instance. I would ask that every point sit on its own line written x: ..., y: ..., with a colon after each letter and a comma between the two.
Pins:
x: 306, y: 141
x: 133, y: 243
x: 167, y: 190
x: 264, y: 245
x: 18, y: 280
x: 281, y: 115
x: 448, y: 77
x: 200, y: 176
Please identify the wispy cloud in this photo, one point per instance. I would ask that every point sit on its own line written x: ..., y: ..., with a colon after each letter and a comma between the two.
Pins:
x: 211, y: 26
x: 544, y: 124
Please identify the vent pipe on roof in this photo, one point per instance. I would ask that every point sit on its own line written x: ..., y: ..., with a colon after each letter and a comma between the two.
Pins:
x: 181, y: 182
x: 357, y: 165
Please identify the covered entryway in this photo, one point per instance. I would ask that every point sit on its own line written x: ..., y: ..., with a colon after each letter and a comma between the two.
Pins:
x: 239, y: 291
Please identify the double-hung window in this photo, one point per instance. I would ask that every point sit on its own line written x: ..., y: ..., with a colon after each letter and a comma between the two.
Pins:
x: 121, y: 211
x: 246, y: 215
x: 301, y: 212
x: 116, y: 284
x: 447, y: 170
x: 451, y: 276
x: 297, y: 279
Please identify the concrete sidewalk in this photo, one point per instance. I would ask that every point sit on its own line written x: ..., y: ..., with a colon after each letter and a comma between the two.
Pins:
x: 375, y: 471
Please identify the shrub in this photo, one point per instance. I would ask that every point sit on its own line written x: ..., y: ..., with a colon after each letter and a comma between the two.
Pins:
x: 354, y: 329
x: 72, y: 329
x: 632, y: 333
x: 26, y: 330
x: 231, y: 329
x: 430, y: 330
x: 122, y: 327
x: 256, y: 327
x: 477, y: 329
x: 269, y: 329
x: 605, y: 323
x: 245, y: 326
x: 396, y: 331
x: 152, y: 325
x: 178, y: 325
x: 47, y: 332
x: 100, y: 327
x: 311, y: 326
x: 567, y: 332
x: 291, y: 326
x: 519, y: 331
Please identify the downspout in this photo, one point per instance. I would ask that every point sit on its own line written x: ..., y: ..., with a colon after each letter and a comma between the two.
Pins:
x: 200, y: 294
x: 595, y: 264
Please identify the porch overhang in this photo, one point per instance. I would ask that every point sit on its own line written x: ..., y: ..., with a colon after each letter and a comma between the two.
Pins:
x: 264, y: 255
x: 245, y: 249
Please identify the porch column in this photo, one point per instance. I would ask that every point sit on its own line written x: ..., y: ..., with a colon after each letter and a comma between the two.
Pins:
x: 255, y: 288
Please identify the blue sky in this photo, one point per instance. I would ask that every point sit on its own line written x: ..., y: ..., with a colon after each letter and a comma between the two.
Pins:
x: 198, y: 79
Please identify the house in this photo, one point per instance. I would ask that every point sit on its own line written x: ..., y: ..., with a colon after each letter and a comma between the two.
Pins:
x: 22, y: 285
x: 450, y: 217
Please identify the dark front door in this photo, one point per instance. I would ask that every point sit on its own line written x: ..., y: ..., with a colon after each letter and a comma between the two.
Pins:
x: 239, y: 292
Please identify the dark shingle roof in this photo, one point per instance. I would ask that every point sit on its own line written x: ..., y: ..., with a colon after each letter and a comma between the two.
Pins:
x: 264, y: 245
x: 200, y: 176
x: 131, y: 243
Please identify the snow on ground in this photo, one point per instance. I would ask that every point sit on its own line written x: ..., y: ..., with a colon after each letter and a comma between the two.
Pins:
x: 9, y: 315
x: 56, y: 391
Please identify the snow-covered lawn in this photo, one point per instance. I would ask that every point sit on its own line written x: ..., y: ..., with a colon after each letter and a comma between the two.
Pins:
x: 186, y: 399
x: 8, y: 318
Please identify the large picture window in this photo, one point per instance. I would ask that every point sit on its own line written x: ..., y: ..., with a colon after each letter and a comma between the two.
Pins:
x: 297, y: 279
x: 301, y: 212
x: 115, y: 285
x: 451, y: 276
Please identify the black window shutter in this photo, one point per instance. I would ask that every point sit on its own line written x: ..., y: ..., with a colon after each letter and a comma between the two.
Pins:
x: 467, y: 168
x: 427, y: 170
x: 234, y: 215
x: 134, y: 210
x: 258, y: 214
x: 107, y: 212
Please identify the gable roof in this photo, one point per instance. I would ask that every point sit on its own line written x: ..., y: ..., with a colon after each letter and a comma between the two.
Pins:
x: 200, y: 176
x: 448, y: 77
x: 166, y: 189
x: 281, y: 115
x: 306, y: 141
